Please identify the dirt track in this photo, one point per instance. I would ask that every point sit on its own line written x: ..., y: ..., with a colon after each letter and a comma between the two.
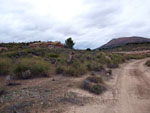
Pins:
x: 129, y: 92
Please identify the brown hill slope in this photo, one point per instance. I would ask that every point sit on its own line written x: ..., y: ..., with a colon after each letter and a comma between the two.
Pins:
x: 124, y: 40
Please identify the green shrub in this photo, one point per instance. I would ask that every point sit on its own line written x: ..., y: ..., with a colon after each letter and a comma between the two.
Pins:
x: 102, y: 58
x: 76, y: 69
x: 12, y: 54
x: 37, y: 67
x: 53, y: 55
x: 70, y: 71
x: 113, y: 65
x: 110, y: 72
x: 94, y: 84
x: 60, y: 70
x: 86, y: 84
x: 96, y: 79
x: 5, y: 65
x: 148, y: 63
x: 115, y: 60
x: 97, y: 89
x: 2, y: 90
x: 96, y: 67
x: 89, y: 67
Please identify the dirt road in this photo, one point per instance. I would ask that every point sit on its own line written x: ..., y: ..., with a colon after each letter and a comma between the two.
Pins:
x: 129, y: 92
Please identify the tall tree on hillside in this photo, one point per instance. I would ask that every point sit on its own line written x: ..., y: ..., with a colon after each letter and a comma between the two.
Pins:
x: 69, y: 43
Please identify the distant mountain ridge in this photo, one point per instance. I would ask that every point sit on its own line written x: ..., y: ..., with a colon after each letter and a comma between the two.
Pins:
x: 123, y: 41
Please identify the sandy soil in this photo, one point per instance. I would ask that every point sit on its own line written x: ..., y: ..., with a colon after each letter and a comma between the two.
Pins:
x: 129, y: 92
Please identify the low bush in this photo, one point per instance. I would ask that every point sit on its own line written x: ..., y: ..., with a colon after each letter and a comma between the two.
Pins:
x: 5, y: 65
x: 93, y: 87
x: 60, y: 70
x: 96, y: 79
x: 95, y: 67
x: 110, y: 72
x: 102, y: 58
x: 2, y: 91
x: 70, y: 71
x: 113, y: 65
x: 97, y: 89
x: 86, y: 84
x: 53, y: 55
x: 37, y: 67
x: 115, y: 60
x: 76, y: 69
x: 94, y: 84
x: 148, y: 63
x: 89, y: 67
x: 13, y: 54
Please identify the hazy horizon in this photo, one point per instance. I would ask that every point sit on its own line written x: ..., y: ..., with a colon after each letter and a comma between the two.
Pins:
x: 90, y: 23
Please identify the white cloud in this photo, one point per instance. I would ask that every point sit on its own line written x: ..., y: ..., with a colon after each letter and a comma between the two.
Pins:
x: 90, y: 23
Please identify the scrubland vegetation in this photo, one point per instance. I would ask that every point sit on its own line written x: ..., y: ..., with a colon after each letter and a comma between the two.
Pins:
x: 91, y: 71
x: 23, y: 62
x: 42, y: 61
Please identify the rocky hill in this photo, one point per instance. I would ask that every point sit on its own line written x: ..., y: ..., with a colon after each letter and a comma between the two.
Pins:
x: 123, y: 41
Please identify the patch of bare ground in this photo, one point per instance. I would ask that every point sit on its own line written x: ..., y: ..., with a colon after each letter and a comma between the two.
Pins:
x: 41, y: 95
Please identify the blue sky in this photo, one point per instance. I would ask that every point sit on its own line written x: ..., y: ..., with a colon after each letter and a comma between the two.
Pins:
x: 90, y: 23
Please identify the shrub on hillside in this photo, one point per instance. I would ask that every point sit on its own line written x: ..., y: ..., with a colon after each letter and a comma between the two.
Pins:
x: 76, y: 69
x: 102, y: 58
x: 148, y: 63
x: 115, y: 60
x: 98, y: 67
x: 96, y: 79
x: 97, y: 89
x: 70, y: 71
x: 60, y: 70
x: 93, y: 85
x: 2, y: 90
x: 110, y: 72
x: 95, y: 67
x: 86, y: 84
x: 119, y: 58
x: 37, y: 67
x: 53, y: 55
x: 89, y: 67
x: 113, y: 65
x: 5, y: 64
x: 12, y: 54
